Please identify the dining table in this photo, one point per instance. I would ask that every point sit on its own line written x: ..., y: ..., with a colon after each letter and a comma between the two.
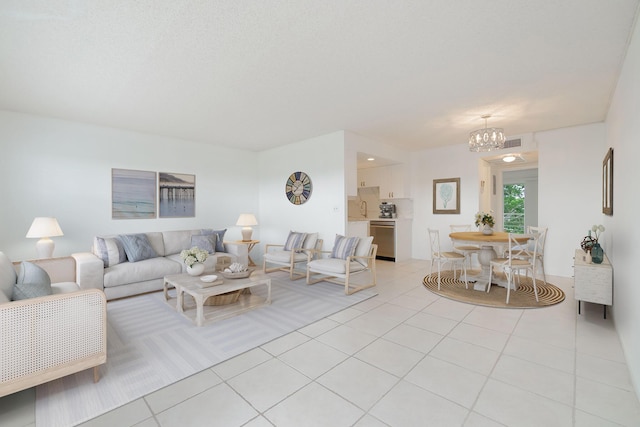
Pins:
x: 490, y: 246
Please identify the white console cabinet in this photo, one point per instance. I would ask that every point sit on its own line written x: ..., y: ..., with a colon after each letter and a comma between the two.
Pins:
x: 592, y: 282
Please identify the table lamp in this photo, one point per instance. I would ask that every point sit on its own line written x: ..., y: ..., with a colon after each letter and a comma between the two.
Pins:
x: 246, y: 221
x: 44, y: 228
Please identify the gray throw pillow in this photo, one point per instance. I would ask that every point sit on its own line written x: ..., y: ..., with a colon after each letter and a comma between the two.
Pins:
x: 7, y: 275
x: 110, y: 250
x: 32, y: 282
x: 344, y: 246
x: 137, y: 247
x: 206, y: 242
x: 294, y: 241
x: 219, y: 240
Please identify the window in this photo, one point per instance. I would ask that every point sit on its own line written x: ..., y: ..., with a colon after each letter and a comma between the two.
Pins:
x: 513, y: 212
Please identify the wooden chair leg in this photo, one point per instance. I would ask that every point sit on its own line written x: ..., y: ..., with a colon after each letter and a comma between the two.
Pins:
x: 96, y: 374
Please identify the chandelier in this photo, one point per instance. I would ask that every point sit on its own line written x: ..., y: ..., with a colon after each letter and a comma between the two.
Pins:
x: 486, y: 139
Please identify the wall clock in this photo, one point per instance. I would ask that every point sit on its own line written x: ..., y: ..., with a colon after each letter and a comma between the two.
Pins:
x: 298, y: 188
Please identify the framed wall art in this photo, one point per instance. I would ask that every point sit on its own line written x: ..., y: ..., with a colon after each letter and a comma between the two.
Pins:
x: 607, y: 183
x: 133, y: 194
x: 177, y: 195
x: 446, y: 196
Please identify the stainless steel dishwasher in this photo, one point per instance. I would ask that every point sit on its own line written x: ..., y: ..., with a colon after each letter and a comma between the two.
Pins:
x: 384, y: 235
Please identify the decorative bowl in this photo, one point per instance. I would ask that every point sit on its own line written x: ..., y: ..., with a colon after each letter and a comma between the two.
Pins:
x: 238, y: 275
x: 210, y: 278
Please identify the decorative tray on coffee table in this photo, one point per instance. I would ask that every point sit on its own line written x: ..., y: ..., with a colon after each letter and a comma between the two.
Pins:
x: 238, y: 275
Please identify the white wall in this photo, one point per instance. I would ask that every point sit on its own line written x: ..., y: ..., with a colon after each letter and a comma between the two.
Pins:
x: 63, y: 169
x: 569, y: 194
x: 623, y: 231
x: 321, y: 158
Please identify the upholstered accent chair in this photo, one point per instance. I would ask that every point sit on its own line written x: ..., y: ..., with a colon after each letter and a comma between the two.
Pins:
x: 296, y: 251
x: 350, y: 256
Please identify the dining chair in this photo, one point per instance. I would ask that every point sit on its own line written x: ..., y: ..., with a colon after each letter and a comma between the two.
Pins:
x: 444, y: 257
x: 518, y: 258
x: 541, y: 232
x: 466, y: 250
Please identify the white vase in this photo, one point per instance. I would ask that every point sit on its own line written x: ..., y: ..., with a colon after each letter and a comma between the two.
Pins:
x: 196, y: 269
x: 487, y: 230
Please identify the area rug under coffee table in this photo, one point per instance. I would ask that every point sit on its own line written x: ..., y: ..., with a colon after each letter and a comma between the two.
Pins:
x: 524, y: 297
x: 150, y: 345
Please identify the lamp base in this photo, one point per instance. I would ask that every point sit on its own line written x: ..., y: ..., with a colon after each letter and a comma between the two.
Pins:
x: 246, y: 233
x: 44, y: 248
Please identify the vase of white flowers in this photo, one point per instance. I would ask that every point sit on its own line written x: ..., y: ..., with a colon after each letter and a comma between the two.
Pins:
x: 486, y: 221
x: 194, y: 260
x: 597, y: 253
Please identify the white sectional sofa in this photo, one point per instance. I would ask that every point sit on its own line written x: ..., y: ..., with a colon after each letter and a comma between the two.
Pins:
x: 121, y: 278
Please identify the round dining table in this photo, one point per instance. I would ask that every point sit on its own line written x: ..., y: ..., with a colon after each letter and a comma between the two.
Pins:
x: 489, y: 244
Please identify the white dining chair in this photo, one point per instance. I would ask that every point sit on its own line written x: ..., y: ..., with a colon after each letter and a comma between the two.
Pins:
x: 518, y: 258
x: 445, y: 257
x: 466, y: 250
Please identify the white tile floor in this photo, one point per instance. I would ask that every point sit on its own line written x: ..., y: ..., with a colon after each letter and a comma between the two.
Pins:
x: 404, y: 358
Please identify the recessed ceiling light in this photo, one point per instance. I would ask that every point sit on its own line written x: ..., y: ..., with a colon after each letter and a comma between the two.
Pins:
x: 509, y: 158
x: 371, y: 159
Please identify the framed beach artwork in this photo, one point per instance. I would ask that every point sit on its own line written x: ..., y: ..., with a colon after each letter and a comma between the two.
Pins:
x: 133, y: 194
x: 177, y: 195
x: 446, y: 196
x: 607, y: 183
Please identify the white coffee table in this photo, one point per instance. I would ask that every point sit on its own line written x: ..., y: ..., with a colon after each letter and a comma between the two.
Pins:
x: 186, y: 284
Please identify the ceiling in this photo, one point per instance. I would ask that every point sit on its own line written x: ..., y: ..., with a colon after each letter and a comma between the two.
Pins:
x: 257, y: 74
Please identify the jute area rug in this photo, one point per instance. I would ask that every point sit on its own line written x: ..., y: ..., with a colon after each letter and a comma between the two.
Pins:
x: 523, y: 297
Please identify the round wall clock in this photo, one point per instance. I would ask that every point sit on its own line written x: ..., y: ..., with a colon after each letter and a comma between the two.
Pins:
x: 298, y: 188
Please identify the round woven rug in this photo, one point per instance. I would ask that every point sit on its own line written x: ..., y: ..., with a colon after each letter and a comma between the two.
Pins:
x: 523, y: 297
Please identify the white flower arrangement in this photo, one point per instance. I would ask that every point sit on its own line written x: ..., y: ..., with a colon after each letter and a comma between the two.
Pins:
x: 597, y: 229
x: 193, y: 255
x: 484, y: 219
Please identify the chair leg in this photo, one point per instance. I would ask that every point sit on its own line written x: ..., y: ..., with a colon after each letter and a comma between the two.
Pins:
x: 466, y: 282
x: 438, y: 274
x: 490, y: 277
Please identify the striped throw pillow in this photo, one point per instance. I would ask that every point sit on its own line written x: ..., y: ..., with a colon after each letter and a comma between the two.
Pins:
x: 344, y: 247
x: 109, y: 250
x: 294, y: 241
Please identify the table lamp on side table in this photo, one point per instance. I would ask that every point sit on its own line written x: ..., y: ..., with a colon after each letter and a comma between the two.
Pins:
x: 246, y: 221
x: 44, y: 228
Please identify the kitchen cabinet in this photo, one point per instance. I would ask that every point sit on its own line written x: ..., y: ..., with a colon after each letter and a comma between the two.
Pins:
x: 358, y: 228
x: 392, y: 180
x: 592, y: 282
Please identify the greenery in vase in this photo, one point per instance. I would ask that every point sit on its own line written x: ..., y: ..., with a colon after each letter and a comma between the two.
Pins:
x: 193, y: 255
x: 484, y: 219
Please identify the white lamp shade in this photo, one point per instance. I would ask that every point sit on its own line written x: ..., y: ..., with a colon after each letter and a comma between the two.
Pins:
x: 44, y: 227
x: 247, y: 220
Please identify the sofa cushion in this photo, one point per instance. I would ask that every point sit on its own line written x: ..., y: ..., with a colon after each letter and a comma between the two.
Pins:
x: 334, y: 266
x: 110, y: 250
x: 205, y: 242
x: 178, y: 240
x: 8, y: 276
x: 137, y: 247
x: 294, y: 241
x: 220, y: 240
x: 310, y: 241
x: 344, y: 247
x: 134, y: 272
x: 32, y: 282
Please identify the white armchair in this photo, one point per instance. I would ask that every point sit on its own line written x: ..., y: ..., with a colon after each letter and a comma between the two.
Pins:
x: 297, y: 250
x: 349, y: 256
x: 48, y: 337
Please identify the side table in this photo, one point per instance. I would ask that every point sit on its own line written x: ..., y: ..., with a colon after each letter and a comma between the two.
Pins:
x: 250, y: 245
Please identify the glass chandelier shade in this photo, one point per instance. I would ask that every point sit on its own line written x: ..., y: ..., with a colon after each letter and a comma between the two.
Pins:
x: 486, y: 139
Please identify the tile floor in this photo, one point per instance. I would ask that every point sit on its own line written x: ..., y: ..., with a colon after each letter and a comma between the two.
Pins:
x: 404, y: 358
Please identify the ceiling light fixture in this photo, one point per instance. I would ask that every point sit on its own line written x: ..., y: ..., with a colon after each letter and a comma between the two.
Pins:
x: 509, y: 158
x: 371, y: 159
x: 486, y: 139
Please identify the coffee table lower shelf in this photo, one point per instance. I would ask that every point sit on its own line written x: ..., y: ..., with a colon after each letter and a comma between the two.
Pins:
x: 190, y: 299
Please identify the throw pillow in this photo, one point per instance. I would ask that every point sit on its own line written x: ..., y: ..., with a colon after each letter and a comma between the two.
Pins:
x: 110, y: 250
x: 7, y: 275
x: 32, y: 282
x: 137, y: 247
x: 294, y: 241
x: 344, y: 247
x: 206, y: 242
x: 219, y: 240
